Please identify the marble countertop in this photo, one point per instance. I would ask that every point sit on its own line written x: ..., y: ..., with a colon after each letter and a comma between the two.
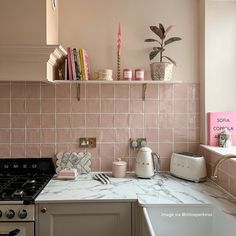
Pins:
x: 160, y: 189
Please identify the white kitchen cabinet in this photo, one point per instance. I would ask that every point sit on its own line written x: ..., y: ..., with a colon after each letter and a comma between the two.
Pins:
x: 84, y: 219
x: 28, y: 22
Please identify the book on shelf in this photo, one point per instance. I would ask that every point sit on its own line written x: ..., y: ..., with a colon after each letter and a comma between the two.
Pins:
x: 77, y: 69
x: 70, y: 75
x: 217, y: 122
x: 73, y: 64
x: 83, y: 55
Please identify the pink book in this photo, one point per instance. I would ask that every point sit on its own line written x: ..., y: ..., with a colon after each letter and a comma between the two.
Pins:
x: 217, y: 122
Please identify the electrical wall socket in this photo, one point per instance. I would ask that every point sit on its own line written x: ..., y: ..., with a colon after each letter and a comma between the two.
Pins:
x: 137, y: 142
x: 87, y: 142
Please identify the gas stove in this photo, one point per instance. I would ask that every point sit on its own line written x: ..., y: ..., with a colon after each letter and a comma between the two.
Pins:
x: 21, y: 181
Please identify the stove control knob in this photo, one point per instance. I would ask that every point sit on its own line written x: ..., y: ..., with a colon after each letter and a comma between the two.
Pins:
x: 0, y: 213
x: 10, y: 214
x: 22, y: 214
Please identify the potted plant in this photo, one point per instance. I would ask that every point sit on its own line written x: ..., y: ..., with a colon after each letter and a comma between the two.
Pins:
x: 161, y: 70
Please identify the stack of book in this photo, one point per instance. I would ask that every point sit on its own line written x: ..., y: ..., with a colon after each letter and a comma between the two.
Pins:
x: 76, y: 65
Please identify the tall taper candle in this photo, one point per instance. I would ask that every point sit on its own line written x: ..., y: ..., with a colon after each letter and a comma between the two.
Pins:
x: 118, y: 52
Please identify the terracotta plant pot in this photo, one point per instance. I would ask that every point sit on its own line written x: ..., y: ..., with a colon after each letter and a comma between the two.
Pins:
x: 161, y: 70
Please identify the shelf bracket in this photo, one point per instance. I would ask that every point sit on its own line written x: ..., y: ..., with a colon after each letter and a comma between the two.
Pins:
x: 144, y: 91
x: 78, y: 91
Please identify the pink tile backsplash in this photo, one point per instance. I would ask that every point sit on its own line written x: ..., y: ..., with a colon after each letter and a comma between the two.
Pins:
x: 38, y: 119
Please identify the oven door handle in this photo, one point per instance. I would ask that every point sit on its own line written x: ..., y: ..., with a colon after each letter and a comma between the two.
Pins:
x: 11, y: 233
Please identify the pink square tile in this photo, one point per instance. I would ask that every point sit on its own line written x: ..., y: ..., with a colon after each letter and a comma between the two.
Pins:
x: 4, y: 150
x: 106, y: 164
x: 33, y: 106
x: 33, y: 121
x: 136, y: 121
x: 4, y: 105
x: 122, y: 150
x: 151, y: 120
x: 193, y: 91
x: 92, y: 91
x: 92, y: 106
x: 180, y: 147
x: 194, y: 135
x: 4, y: 136
x: 32, y: 90
x: 121, y: 91
x: 17, y: 150
x: 166, y: 135
x: 48, y: 150
x: 48, y: 106
x: 33, y: 136
x: 107, y: 106
x: 180, y: 106
x: 166, y: 106
x: 47, y: 136
x: 96, y: 165
x: 93, y: 132
x: 4, y: 121
x: 165, y: 91
x: 4, y: 90
x: 107, y: 121
x: 75, y: 91
x: 136, y: 106
x: 107, y: 151
x: 165, y: 149
x: 193, y: 121
x: 154, y: 146
x: 121, y: 106
x: 47, y: 91
x: 132, y: 162
x: 18, y: 106
x: 63, y: 91
x: 63, y: 106
x: 122, y: 135
x: 63, y: 136
x: 121, y: 120
x: 18, y: 90
x: 18, y: 120
x: 152, y: 91
x: 64, y: 120
x: 165, y: 164
x: 180, y: 91
x: 76, y: 134
x: 151, y: 106
x: 136, y: 92
x: 77, y: 120
x: 136, y: 133
x: 48, y: 121
x: 194, y: 106
x: 17, y: 136
x: 107, y: 91
x: 92, y: 120
x: 95, y: 152
x: 32, y: 150
x: 180, y: 121
x: 107, y: 135
x: 180, y: 135
x: 78, y: 106
x: 194, y: 148
x: 151, y: 135
x: 63, y: 147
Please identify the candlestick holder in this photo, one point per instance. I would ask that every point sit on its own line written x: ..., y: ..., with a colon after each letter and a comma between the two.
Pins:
x: 118, y: 66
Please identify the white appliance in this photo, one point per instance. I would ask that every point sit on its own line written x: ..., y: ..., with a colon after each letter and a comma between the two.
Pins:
x: 147, y: 162
x: 188, y: 166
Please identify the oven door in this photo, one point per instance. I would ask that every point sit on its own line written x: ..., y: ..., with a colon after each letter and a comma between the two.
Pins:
x: 16, y: 228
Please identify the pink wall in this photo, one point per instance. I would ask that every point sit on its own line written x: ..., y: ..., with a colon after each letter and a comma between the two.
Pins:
x: 38, y: 119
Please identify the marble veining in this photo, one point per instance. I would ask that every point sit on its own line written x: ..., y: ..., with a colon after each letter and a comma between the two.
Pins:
x: 161, y: 189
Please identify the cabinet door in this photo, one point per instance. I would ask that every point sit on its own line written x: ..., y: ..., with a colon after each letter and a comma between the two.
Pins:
x: 84, y: 219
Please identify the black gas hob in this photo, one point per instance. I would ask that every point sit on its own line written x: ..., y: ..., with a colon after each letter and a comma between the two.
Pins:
x: 23, y: 179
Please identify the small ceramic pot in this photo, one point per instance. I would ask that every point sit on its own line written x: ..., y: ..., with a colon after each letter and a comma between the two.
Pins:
x: 119, y: 168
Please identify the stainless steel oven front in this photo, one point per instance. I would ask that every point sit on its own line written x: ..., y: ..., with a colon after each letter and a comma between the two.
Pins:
x: 17, y: 220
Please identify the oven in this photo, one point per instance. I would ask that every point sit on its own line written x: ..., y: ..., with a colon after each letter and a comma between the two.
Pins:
x: 21, y: 180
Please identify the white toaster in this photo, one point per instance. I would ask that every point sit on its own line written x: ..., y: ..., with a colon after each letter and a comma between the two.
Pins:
x: 188, y: 166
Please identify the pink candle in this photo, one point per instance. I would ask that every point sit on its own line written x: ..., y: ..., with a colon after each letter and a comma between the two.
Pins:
x: 119, y: 40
